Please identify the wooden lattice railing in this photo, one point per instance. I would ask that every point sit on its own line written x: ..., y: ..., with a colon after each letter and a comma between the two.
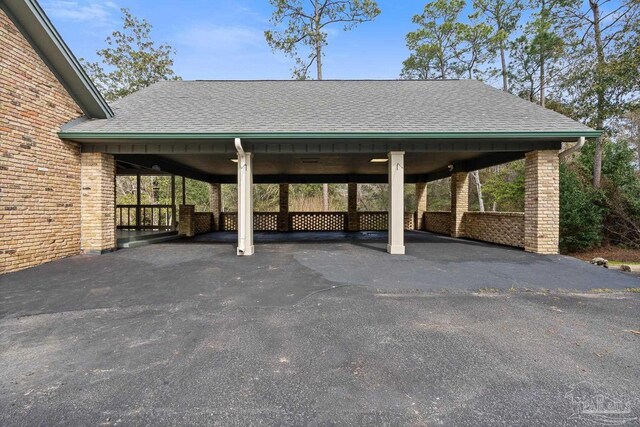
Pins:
x: 145, y: 217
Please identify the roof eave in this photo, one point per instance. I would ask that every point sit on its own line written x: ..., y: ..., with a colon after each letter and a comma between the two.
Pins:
x: 569, y: 135
x: 36, y: 27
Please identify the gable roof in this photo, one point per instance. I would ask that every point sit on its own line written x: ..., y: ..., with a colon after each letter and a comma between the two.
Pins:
x: 314, y: 108
x: 36, y: 27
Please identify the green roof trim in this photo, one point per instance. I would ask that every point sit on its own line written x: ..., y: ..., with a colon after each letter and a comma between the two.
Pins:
x: 333, y: 135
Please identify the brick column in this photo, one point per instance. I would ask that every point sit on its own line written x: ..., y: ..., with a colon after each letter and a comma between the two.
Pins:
x: 542, y: 202
x: 459, y: 202
x: 352, y: 207
x: 187, y: 224
x: 421, y: 205
x: 215, y: 203
x: 283, y: 214
x: 97, y: 204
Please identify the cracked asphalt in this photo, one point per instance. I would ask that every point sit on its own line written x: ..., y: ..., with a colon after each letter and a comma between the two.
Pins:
x: 318, y: 332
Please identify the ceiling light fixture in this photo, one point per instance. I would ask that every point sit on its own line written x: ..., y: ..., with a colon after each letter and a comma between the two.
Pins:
x: 379, y: 160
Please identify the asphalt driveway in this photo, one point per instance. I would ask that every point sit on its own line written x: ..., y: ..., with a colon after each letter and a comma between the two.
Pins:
x: 321, y: 332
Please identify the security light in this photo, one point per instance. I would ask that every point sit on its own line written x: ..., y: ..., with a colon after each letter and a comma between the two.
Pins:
x: 379, y: 160
x: 234, y: 160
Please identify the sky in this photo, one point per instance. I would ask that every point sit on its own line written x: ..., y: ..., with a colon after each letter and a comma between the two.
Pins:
x: 224, y: 39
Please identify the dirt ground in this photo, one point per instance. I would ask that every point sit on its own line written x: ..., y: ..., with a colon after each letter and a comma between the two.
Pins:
x: 611, y: 253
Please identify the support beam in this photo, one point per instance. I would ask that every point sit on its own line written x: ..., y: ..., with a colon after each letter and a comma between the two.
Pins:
x: 395, y: 245
x: 138, y: 202
x: 215, y: 203
x: 283, y: 214
x: 459, y: 202
x: 245, y: 202
x: 352, y: 207
x: 173, y: 201
x: 184, y: 190
x: 542, y: 202
x: 421, y: 205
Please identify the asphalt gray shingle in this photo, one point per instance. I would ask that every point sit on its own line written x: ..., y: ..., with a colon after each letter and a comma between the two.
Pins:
x: 326, y: 106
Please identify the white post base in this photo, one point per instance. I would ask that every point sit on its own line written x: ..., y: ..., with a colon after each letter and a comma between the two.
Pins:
x: 395, y: 249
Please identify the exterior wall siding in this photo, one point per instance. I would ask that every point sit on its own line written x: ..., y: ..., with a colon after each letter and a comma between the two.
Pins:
x: 39, y: 173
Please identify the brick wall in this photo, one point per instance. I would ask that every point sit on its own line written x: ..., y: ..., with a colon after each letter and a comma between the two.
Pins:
x: 505, y: 228
x: 187, y: 225
x: 97, y: 216
x: 459, y: 202
x: 542, y: 201
x: 437, y: 222
x: 39, y: 173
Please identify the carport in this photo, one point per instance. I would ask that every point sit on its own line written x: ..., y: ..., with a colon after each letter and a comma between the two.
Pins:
x: 350, y: 132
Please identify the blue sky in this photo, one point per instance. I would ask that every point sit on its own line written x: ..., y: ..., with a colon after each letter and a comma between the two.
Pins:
x: 224, y: 39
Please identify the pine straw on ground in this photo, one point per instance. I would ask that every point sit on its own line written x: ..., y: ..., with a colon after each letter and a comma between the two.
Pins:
x: 610, y: 253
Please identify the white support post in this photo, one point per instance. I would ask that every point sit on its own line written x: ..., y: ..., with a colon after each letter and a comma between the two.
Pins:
x: 245, y: 202
x: 395, y: 245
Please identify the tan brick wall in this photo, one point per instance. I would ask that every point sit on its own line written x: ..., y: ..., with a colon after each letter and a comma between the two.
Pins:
x: 505, y: 228
x: 459, y: 202
x: 353, y: 219
x: 421, y: 205
x: 215, y: 201
x: 542, y: 201
x: 187, y: 224
x: 97, y: 216
x: 283, y: 213
x: 39, y: 173
x: 437, y: 222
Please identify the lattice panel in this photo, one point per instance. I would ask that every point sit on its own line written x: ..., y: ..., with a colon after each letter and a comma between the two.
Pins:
x: 318, y: 221
x: 438, y: 222
x: 229, y: 221
x: 373, y: 221
x: 265, y: 221
x: 203, y: 222
x: 408, y: 221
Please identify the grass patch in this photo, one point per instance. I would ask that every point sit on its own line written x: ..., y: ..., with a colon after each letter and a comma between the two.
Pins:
x: 624, y: 263
x: 601, y: 291
x: 634, y: 290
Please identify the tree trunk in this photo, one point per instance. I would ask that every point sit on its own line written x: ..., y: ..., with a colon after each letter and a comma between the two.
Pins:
x: 503, y: 63
x: 476, y: 180
x: 542, y: 81
x: 600, y: 94
x: 325, y: 197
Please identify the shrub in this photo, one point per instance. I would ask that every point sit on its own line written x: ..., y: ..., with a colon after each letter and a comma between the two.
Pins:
x: 581, y: 216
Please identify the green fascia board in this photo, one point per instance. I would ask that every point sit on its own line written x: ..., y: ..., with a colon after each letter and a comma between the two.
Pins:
x: 333, y: 135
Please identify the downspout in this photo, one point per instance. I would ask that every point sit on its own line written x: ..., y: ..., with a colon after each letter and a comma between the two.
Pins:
x: 242, y: 163
x: 573, y: 148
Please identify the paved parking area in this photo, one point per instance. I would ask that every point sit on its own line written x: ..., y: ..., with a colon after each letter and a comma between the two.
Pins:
x: 329, y: 330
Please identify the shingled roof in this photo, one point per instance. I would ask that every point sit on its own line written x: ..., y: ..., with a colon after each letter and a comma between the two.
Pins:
x: 329, y: 106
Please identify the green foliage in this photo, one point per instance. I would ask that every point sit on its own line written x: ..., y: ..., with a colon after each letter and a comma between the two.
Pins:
x: 581, y: 216
x: 131, y: 61
x: 305, y: 25
x: 504, y: 187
